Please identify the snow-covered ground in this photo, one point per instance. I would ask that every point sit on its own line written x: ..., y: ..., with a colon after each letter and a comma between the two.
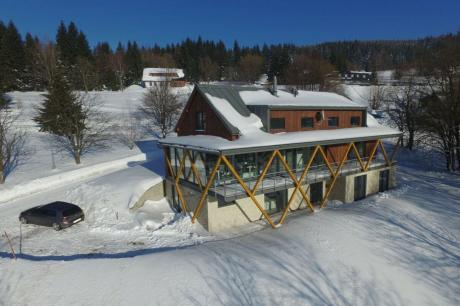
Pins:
x: 43, y: 168
x: 400, y: 247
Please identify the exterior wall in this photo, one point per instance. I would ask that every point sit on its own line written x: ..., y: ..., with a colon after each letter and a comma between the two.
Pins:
x: 243, y: 211
x: 173, y: 83
x: 344, y: 188
x: 335, y: 153
x: 298, y: 202
x: 187, y: 122
x: 293, y: 119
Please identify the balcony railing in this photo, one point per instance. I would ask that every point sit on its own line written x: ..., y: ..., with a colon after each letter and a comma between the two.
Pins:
x: 230, y: 189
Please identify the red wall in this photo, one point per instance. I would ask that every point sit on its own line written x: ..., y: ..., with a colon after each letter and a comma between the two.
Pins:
x: 214, y: 126
x: 293, y: 118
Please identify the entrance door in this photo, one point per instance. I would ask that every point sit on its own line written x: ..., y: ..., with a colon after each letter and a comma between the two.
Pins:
x: 384, y: 180
x: 360, y: 187
x: 275, y: 201
x: 316, y: 193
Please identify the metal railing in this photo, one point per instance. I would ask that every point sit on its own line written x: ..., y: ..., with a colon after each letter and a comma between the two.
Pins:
x: 274, y: 181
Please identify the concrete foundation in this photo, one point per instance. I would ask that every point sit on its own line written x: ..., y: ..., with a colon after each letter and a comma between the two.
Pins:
x: 216, y: 217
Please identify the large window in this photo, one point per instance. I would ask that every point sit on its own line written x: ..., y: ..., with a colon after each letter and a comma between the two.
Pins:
x: 333, y: 121
x: 277, y: 123
x: 246, y: 165
x: 200, y: 121
x: 355, y: 121
x: 306, y: 122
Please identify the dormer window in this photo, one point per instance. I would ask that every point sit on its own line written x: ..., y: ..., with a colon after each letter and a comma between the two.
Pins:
x: 333, y: 121
x: 200, y: 121
x: 306, y: 122
x: 355, y: 121
x: 277, y: 123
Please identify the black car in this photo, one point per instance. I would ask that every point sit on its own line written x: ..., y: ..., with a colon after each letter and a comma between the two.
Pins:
x: 57, y: 214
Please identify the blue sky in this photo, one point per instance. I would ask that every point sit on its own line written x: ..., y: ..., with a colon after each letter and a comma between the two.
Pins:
x: 250, y: 22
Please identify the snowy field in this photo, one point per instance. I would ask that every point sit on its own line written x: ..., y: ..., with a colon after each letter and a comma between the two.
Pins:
x: 400, y: 247
x: 41, y: 162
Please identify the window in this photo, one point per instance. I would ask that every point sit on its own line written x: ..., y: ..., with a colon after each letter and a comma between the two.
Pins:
x: 276, y: 123
x: 306, y: 123
x: 355, y: 121
x: 200, y: 123
x: 333, y: 121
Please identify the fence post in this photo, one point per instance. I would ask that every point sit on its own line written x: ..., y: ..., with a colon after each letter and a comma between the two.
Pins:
x: 11, y: 245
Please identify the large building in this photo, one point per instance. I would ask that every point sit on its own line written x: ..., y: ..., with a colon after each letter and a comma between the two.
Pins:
x: 245, y: 153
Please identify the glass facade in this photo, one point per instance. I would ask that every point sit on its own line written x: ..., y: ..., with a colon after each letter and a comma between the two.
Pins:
x: 250, y: 165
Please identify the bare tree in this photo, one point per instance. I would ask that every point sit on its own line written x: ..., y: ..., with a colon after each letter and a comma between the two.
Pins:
x: 47, y: 61
x: 441, y: 108
x: 377, y: 94
x: 250, y: 68
x: 310, y: 71
x: 162, y: 107
x: 119, y: 66
x: 130, y: 131
x: 86, y: 71
x: 209, y: 70
x: 404, y: 109
x: 12, y: 141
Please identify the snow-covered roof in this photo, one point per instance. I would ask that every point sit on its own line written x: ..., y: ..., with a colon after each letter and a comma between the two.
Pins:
x: 161, y: 74
x: 260, y: 141
x: 303, y: 98
x: 230, y: 104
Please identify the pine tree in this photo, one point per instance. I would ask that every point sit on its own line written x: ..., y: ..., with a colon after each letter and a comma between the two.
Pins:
x: 33, y: 78
x: 58, y: 107
x: 61, y: 113
x: 11, y: 59
x: 75, y: 55
x: 72, y: 118
x: 106, y: 76
x: 134, y: 64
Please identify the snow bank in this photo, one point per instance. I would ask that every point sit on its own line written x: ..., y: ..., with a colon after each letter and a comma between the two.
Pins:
x: 107, y: 201
x: 61, y: 179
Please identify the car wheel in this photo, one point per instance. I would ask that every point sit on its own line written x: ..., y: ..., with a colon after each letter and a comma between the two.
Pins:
x: 23, y: 220
x: 56, y: 226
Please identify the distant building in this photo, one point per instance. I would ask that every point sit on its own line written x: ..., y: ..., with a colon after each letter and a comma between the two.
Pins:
x: 152, y: 76
x: 358, y: 76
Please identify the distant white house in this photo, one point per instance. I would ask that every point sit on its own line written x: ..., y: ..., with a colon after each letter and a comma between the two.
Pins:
x: 357, y: 76
x: 152, y: 76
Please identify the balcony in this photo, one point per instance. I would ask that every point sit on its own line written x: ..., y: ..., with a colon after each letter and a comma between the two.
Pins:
x: 226, y: 188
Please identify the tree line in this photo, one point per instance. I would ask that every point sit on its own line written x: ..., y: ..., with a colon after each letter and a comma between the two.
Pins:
x: 426, y: 108
x: 26, y: 62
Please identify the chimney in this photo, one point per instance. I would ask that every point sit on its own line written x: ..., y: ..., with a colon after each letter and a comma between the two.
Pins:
x: 275, y: 86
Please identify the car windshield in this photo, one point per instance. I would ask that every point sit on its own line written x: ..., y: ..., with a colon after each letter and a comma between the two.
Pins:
x: 70, y: 211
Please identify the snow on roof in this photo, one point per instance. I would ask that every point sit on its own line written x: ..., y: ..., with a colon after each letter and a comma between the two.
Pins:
x: 161, y: 74
x: 245, y: 124
x: 262, y: 139
x: 310, y: 99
